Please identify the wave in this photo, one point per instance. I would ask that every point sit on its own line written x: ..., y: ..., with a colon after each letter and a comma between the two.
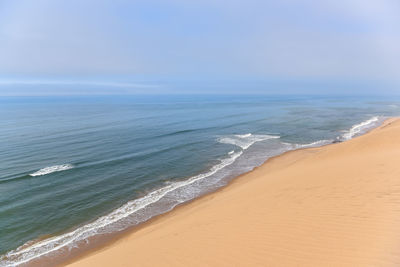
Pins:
x: 312, y: 144
x: 43, y: 171
x: 173, y: 193
x: 360, y: 127
x: 29, y: 252
x: 15, y: 178
x: 244, y: 135
x: 352, y: 132
x: 246, y: 140
x: 51, y: 169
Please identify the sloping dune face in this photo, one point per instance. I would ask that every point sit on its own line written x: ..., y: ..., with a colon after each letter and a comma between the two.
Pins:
x: 336, y: 205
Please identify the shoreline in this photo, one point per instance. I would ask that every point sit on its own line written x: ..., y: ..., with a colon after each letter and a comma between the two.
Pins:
x: 120, y: 237
x: 101, y: 242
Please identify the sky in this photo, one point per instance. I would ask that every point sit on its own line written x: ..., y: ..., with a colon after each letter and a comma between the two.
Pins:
x: 208, y: 46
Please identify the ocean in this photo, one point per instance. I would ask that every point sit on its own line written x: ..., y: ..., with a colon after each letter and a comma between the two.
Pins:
x: 75, y: 169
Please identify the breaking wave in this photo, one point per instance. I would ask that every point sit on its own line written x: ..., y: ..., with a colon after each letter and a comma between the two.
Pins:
x: 170, y: 195
x: 246, y: 140
x: 103, y: 225
x: 312, y: 144
x: 51, y: 169
x: 360, y: 128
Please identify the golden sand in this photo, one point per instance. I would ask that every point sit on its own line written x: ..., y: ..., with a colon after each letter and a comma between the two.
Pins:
x: 337, y: 205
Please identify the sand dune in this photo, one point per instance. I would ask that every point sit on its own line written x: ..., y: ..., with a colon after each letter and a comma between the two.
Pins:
x: 337, y: 205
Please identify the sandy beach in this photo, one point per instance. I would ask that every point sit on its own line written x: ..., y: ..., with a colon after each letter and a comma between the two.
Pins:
x: 337, y: 205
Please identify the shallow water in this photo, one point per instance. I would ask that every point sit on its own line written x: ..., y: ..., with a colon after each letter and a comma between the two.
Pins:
x: 75, y: 167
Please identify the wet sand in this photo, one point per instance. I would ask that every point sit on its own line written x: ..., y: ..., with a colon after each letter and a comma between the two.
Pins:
x: 337, y: 205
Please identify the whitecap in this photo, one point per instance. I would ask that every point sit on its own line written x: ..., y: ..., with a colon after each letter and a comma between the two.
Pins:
x: 28, y: 252
x: 243, y: 135
x: 245, y: 140
x: 358, y: 128
x: 314, y: 144
x: 51, y: 169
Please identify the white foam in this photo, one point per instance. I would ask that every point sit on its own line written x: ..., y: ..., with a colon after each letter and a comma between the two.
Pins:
x: 314, y: 144
x: 26, y: 253
x: 358, y: 128
x: 245, y: 140
x: 51, y: 169
x: 244, y: 135
x: 293, y: 146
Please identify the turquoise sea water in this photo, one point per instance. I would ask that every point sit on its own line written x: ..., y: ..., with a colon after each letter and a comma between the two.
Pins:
x: 73, y: 168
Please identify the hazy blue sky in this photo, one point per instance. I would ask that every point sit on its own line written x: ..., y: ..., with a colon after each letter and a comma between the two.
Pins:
x: 117, y: 46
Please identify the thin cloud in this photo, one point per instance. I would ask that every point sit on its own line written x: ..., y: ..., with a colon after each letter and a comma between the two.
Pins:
x: 90, y: 83
x: 332, y: 40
